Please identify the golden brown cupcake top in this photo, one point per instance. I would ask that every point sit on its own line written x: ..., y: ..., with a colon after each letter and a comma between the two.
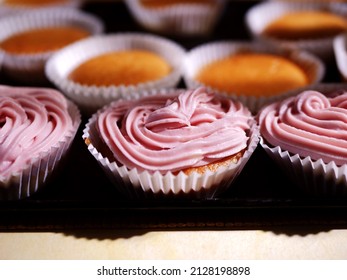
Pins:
x: 153, y: 4
x: 42, y: 40
x: 253, y: 74
x: 128, y: 67
x: 34, y: 2
x: 306, y: 25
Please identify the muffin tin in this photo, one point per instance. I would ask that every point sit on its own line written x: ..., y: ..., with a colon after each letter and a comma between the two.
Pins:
x: 262, y: 197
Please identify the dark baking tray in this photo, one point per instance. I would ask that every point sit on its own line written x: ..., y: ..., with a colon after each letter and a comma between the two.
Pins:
x: 262, y: 197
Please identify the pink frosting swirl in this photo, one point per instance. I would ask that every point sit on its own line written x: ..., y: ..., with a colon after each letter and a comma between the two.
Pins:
x: 309, y: 124
x: 32, y: 120
x: 175, y: 131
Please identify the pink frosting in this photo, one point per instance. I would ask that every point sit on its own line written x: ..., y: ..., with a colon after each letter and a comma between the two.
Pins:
x: 172, y: 132
x: 309, y: 124
x: 32, y: 120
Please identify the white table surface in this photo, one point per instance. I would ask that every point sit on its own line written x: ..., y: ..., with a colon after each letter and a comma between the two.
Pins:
x: 130, y: 245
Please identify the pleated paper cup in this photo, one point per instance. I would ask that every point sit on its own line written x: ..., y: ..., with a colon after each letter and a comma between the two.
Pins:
x: 29, y: 68
x: 203, y: 55
x: 185, y: 19
x: 34, y: 176
x: 340, y: 52
x: 261, y: 15
x: 91, y: 98
x: 136, y: 185
x: 327, y: 89
x: 314, y: 177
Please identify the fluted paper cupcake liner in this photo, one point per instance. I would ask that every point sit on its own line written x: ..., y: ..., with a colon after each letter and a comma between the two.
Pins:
x: 41, y: 167
x: 314, y: 177
x: 30, y: 68
x: 135, y: 184
x: 187, y: 19
x: 327, y: 89
x: 260, y: 15
x: 340, y: 52
x: 91, y: 98
x: 205, y: 54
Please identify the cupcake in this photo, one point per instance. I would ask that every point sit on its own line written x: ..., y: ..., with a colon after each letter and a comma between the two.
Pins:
x: 13, y: 7
x: 28, y: 40
x: 37, y: 127
x: 35, y: 3
x: 306, y: 135
x: 98, y: 70
x: 253, y: 73
x: 177, y: 17
x: 172, y: 142
x: 305, y: 25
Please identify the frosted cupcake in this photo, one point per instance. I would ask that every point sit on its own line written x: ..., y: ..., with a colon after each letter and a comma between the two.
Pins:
x: 99, y: 70
x: 28, y: 40
x: 174, y: 142
x: 256, y: 74
x: 307, y: 136
x: 305, y: 25
x: 177, y: 17
x: 37, y: 127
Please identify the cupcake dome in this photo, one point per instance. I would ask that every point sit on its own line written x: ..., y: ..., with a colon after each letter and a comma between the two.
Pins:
x: 253, y: 73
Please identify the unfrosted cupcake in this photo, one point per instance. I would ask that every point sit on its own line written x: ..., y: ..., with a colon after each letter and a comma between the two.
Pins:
x: 306, y: 135
x: 12, y: 7
x: 28, y: 40
x: 34, y: 3
x: 173, y: 142
x: 37, y: 127
x: 177, y: 17
x: 253, y: 73
x: 99, y: 70
x: 305, y: 25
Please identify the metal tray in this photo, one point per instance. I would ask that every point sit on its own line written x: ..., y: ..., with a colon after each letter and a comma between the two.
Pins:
x: 262, y: 197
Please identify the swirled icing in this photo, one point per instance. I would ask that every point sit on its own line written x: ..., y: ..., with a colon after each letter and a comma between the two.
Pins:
x: 309, y: 124
x: 171, y: 132
x: 32, y: 120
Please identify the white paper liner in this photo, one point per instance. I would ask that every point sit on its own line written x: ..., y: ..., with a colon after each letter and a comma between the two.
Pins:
x: 40, y: 169
x: 29, y: 69
x: 340, y: 52
x: 91, y: 98
x: 324, y: 88
x: 260, y: 15
x: 188, y: 19
x: 136, y: 184
x: 313, y: 177
x: 205, y: 54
